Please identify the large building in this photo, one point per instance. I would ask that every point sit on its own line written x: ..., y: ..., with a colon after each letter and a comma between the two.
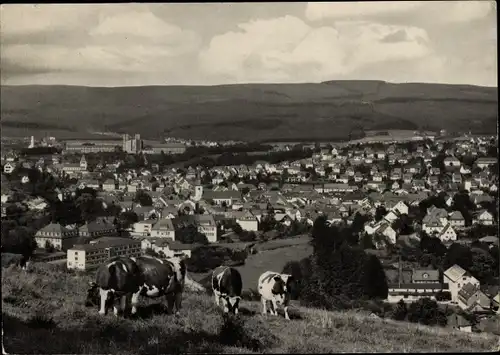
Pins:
x: 166, y: 148
x: 92, y: 146
x: 56, y: 235
x: 88, y: 256
x: 132, y: 145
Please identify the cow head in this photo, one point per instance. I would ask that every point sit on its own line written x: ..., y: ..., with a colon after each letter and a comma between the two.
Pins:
x: 279, y: 289
x: 231, y: 304
x: 93, y: 298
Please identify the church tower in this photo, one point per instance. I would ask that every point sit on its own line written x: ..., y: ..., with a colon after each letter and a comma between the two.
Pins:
x: 83, y: 163
x: 198, y: 190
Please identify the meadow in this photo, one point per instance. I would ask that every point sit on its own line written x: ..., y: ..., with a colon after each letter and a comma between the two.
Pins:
x: 43, y: 312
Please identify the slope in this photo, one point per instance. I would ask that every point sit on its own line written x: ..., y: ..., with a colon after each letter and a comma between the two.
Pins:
x: 43, y: 313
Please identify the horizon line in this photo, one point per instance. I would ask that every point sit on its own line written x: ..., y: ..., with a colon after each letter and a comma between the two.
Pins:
x: 252, y: 83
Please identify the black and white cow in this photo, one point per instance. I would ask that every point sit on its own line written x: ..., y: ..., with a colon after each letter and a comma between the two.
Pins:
x: 227, y: 286
x: 275, y: 287
x: 114, y: 281
x: 128, y: 278
x: 162, y: 277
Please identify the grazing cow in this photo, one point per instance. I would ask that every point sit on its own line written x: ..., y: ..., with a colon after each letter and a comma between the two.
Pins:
x: 115, y: 280
x: 162, y: 277
x: 276, y: 288
x: 129, y: 278
x: 227, y: 285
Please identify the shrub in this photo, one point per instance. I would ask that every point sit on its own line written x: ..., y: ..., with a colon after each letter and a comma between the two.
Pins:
x: 205, y: 258
x: 400, y: 312
x: 426, y: 311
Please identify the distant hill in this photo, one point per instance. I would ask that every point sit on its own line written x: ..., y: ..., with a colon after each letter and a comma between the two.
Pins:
x: 326, y: 110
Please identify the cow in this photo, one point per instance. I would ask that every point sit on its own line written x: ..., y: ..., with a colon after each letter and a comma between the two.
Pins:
x: 128, y: 278
x: 227, y: 286
x: 162, y: 277
x: 114, y: 281
x: 275, y: 287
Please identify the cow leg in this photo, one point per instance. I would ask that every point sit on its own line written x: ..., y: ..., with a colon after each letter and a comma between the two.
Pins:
x: 275, y: 307
x: 264, y: 306
x: 178, y: 302
x: 217, y: 298
x: 286, y: 312
x: 123, y: 303
x: 104, y: 298
x: 135, y: 300
x: 170, y: 303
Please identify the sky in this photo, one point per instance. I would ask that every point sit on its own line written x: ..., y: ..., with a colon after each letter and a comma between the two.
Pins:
x: 222, y: 43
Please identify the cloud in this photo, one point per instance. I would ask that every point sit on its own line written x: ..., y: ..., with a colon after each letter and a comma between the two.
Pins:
x: 436, y: 11
x: 317, y: 11
x: 290, y: 49
x: 125, y: 41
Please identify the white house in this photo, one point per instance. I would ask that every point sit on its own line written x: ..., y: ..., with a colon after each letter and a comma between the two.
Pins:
x: 483, y: 217
x: 164, y: 228
x: 8, y: 168
x: 143, y: 228
x: 401, y: 207
x: 248, y: 222
x: 456, y: 278
x: 447, y: 234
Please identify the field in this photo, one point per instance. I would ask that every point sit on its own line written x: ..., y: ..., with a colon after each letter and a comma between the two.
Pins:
x: 272, y: 256
x: 319, y: 111
x: 43, y: 313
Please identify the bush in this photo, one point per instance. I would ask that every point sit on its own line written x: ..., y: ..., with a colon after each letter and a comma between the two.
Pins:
x: 205, y: 258
x: 400, y: 312
x: 443, y: 296
x: 426, y: 311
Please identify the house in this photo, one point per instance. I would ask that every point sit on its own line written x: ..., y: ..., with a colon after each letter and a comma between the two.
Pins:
x: 457, y: 321
x: 447, y: 234
x: 56, y: 235
x: 89, y: 256
x: 96, y: 229
x: 248, y: 221
x: 221, y: 197
x: 143, y: 228
x: 206, y: 225
x: 109, y: 185
x: 470, y: 296
x: 400, y: 207
x: 456, y: 278
x: 9, y: 167
x: 452, y: 161
x: 163, y: 228
x: 169, y: 248
x: 412, y: 285
x: 483, y: 217
x: 485, y: 162
x: 456, y: 219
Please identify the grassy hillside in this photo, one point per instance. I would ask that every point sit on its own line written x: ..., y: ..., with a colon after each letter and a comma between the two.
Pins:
x: 267, y: 111
x: 43, y: 313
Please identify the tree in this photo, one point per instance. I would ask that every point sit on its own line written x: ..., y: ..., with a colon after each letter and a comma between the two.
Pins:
x: 143, y: 198
x: 426, y: 311
x: 19, y: 240
x: 483, y: 265
x: 380, y: 212
x: 458, y: 254
x: 400, y: 311
x: 127, y: 219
